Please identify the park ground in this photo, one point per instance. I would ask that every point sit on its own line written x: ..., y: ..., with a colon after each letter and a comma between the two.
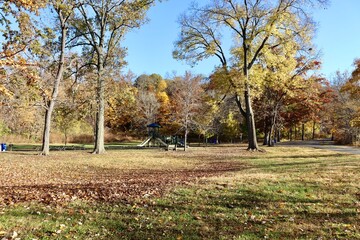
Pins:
x: 222, y: 192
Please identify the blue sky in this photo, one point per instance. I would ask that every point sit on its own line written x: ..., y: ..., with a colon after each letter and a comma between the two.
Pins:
x: 150, y: 47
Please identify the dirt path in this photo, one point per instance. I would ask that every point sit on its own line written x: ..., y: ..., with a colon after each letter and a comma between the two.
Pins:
x: 323, y: 144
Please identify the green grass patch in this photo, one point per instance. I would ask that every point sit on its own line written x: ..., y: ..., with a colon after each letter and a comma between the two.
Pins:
x: 71, y: 146
x: 287, y: 193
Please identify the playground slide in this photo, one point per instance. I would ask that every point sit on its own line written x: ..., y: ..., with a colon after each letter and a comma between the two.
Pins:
x: 144, y: 142
x: 161, y: 142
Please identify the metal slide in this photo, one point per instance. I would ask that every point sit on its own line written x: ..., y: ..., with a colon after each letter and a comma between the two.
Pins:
x: 144, y: 142
x: 161, y: 142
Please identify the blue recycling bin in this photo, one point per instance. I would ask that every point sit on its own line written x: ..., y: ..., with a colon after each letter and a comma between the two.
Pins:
x: 3, y: 147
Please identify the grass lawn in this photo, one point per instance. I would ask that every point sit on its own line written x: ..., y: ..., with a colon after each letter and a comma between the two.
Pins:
x: 205, y: 193
x: 70, y: 146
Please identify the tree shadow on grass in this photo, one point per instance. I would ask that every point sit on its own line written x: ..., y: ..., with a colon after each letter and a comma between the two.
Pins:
x: 215, y: 213
x: 222, y: 214
x: 321, y: 161
x: 316, y: 156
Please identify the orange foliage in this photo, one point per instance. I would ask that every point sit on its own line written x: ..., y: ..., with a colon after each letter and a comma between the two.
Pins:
x: 32, y: 5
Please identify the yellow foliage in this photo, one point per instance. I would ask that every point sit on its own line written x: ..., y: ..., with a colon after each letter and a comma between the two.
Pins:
x: 5, y: 92
x: 355, y: 122
x: 220, y: 80
x: 163, y: 97
x: 32, y: 5
x: 162, y: 85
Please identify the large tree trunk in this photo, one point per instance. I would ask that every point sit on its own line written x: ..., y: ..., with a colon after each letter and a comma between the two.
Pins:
x: 266, y: 137
x: 242, y: 111
x: 272, y: 133
x: 45, y: 149
x: 99, y: 146
x: 303, y: 132
x: 185, y: 138
x: 266, y: 132
x: 278, y: 135
x: 65, y: 137
x: 250, y: 121
x: 249, y: 117
x: 313, y: 130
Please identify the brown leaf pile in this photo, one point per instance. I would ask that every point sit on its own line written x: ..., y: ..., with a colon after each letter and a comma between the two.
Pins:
x: 100, y: 184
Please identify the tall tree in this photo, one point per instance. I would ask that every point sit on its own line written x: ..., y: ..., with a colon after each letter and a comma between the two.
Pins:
x: 100, y: 25
x: 345, y: 110
x: 283, y: 69
x: 305, y: 103
x: 254, y: 24
x: 148, y: 106
x: 152, y: 99
x: 186, y: 101
x: 63, y: 9
x: 352, y: 87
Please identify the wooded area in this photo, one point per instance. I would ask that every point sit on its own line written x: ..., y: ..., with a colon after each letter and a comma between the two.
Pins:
x: 61, y: 67
x: 63, y: 84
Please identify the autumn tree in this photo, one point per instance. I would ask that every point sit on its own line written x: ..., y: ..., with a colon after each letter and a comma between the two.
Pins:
x: 203, y: 121
x: 283, y: 69
x: 121, y: 113
x: 52, y: 48
x: 18, y: 33
x: 217, y: 116
x: 152, y: 99
x: 40, y: 43
x: 17, y: 73
x: 232, y: 125
x: 64, y: 119
x: 17, y: 29
x: 305, y: 105
x: 99, y: 27
x: 148, y: 106
x: 254, y: 25
x: 76, y: 101
x: 186, y: 101
x: 352, y: 87
x: 20, y: 108
x: 345, y: 111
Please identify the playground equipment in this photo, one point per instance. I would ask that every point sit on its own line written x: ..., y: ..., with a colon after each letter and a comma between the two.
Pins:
x: 154, y: 139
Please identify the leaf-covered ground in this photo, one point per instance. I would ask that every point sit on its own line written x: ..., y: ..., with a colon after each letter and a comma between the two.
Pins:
x: 117, y: 175
x: 206, y: 193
